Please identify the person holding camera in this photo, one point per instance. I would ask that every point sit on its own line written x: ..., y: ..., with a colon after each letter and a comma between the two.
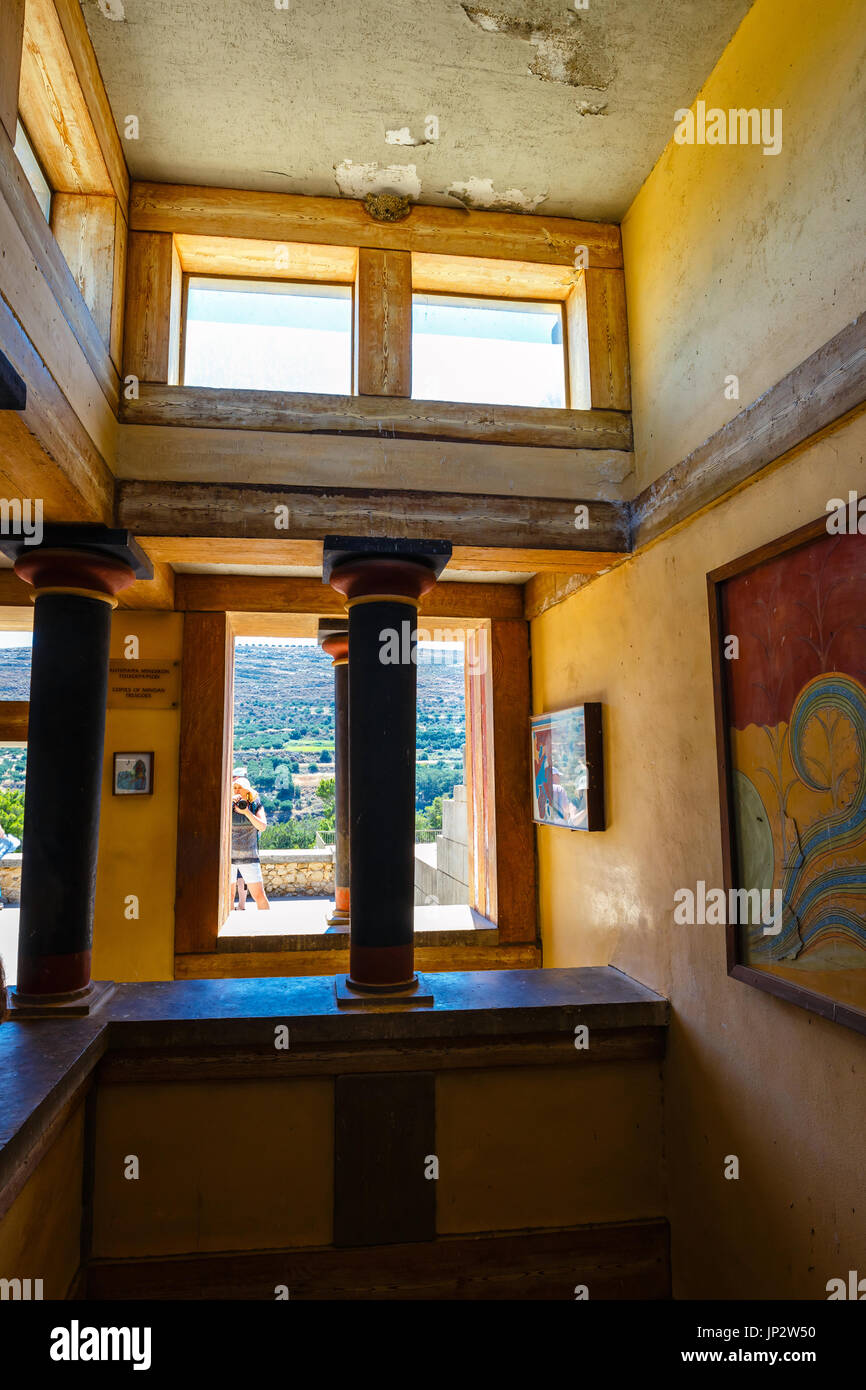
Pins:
x: 248, y: 819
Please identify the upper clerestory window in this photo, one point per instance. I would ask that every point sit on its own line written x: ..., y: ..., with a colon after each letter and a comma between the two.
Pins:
x: 33, y: 170
x: 488, y: 351
x: 268, y: 335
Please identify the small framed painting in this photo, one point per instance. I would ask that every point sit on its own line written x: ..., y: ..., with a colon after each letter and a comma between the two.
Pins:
x: 568, y: 768
x: 133, y: 774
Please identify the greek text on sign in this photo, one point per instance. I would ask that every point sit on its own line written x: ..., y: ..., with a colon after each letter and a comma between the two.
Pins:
x: 143, y: 684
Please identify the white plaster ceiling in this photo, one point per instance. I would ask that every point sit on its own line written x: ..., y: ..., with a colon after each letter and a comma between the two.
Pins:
x: 540, y: 105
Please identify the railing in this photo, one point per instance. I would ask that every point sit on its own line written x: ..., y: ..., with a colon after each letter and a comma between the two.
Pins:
x: 328, y: 839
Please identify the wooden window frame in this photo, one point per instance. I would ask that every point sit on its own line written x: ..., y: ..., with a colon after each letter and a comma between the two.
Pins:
x: 508, y: 892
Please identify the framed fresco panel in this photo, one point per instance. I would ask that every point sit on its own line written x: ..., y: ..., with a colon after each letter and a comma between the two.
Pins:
x: 567, y: 768
x: 788, y: 625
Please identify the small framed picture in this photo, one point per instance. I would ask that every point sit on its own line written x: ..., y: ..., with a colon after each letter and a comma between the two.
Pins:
x: 133, y: 774
x: 568, y: 768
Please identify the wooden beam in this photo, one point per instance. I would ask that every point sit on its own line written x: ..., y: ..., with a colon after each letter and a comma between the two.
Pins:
x: 267, y: 260
x: 476, y: 275
x: 577, y: 339
x: 201, y: 904
x: 42, y: 292
x: 84, y: 61
x: 627, y: 1260
x: 11, y: 42
x: 813, y: 398
x: 202, y: 407
x: 607, y: 330
x: 546, y: 590
x: 14, y: 717
x: 240, y: 593
x: 383, y: 323
x: 495, y: 523
x: 515, y: 841
x: 234, y: 553
x: 228, y: 212
x: 236, y: 965
x: 45, y: 451
x: 150, y: 282
x: 176, y: 454
x: 84, y: 225
x: 54, y: 107
x: 157, y: 592
x: 118, y: 289
x: 14, y: 593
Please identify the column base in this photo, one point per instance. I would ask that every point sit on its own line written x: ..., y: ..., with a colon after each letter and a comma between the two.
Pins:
x: 338, y: 917
x: 78, y: 1005
x: 418, y: 994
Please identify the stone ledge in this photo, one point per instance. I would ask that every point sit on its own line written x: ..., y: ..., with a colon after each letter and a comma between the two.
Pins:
x: 45, y: 1063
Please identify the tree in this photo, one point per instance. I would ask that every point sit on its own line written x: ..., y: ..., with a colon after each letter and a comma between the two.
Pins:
x: 12, y: 812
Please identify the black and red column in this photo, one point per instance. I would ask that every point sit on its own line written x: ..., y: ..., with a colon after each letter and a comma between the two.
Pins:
x: 76, y: 573
x: 383, y: 582
x: 334, y: 640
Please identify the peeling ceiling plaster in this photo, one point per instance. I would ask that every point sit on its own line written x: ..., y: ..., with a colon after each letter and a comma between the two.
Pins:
x: 517, y: 104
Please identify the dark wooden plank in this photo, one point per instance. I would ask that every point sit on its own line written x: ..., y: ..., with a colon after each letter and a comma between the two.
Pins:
x: 817, y: 393
x: 201, y: 903
x: 14, y: 717
x: 625, y: 1260
x: 384, y: 1132
x: 515, y: 840
x: 132, y: 1066
x: 216, y: 509
x: 288, y: 412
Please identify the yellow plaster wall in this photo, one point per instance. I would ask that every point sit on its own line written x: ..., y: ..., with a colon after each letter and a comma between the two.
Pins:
x: 746, y: 1074
x: 741, y: 263
x: 735, y: 263
x: 138, y: 834
x: 548, y: 1146
x: 40, y: 1234
x: 223, y: 1165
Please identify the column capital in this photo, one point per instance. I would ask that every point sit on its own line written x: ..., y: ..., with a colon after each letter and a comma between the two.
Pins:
x: 95, y: 561
x: 333, y: 638
x: 369, y: 569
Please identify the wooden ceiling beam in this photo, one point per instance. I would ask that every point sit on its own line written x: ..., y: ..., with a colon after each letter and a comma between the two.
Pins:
x: 301, y: 412
x: 505, y: 527
x: 287, y: 217
x: 241, y: 594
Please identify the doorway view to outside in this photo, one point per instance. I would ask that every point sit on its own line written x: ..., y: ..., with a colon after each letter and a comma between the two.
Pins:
x: 15, y: 651
x: 284, y: 750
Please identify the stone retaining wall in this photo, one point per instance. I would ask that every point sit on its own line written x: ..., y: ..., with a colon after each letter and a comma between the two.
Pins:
x: 288, y: 873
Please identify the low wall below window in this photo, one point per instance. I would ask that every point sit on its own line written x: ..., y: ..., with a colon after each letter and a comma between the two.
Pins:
x: 10, y: 879
x: 288, y: 873
x: 293, y: 873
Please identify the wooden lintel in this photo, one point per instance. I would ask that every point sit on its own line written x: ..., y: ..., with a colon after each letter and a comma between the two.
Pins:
x: 228, y: 212
x: 11, y: 41
x: 14, y: 717
x: 828, y: 385
x: 493, y: 523
x: 241, y: 593
x: 393, y: 416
